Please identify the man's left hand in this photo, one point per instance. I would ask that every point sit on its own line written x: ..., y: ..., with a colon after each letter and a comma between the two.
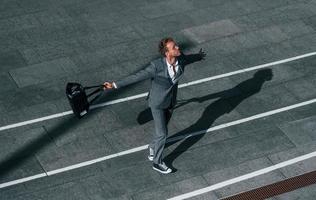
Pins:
x: 202, y: 54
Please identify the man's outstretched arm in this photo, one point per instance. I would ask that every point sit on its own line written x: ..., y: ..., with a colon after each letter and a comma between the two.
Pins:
x: 143, y: 74
x: 191, y: 58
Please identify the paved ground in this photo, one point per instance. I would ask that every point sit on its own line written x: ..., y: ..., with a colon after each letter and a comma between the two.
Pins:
x: 47, y: 43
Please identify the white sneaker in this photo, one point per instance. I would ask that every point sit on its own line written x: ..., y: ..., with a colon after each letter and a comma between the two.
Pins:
x: 162, y: 168
x: 151, y: 154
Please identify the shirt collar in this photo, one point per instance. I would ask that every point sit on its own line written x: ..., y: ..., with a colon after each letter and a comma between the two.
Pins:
x: 169, y: 65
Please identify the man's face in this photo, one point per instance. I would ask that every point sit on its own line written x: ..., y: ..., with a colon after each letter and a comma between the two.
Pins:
x: 172, y: 49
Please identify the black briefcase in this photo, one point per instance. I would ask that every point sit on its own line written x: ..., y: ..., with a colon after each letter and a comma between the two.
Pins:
x: 78, y: 98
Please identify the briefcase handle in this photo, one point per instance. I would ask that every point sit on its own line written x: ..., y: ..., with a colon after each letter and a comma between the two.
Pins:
x: 94, y: 86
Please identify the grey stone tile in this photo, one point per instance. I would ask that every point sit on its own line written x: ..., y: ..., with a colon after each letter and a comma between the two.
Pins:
x: 307, y: 193
x: 205, y: 196
x: 33, y: 96
x: 16, y: 192
x: 99, y: 187
x: 18, y: 149
x: 305, y: 65
x: 271, y: 34
x: 104, y: 37
x: 263, y: 123
x: 131, y: 137
x: 11, y: 60
x: 253, y: 183
x: 154, y: 10
x: 69, y: 190
x: 310, y: 21
x: 172, y: 190
x: 226, y: 153
x: 298, y: 168
x: 43, y: 72
x: 252, y: 57
x: 239, y: 170
x: 295, y: 28
x: 269, y: 99
x: 73, y: 176
x: 84, y: 148
x: 304, y: 111
x: 52, y: 50
x: 300, y: 131
x: 6, y: 82
x: 302, y: 88
x: 248, y: 40
x: 164, y: 25
x: 211, y: 31
x: 304, y: 44
x: 68, y: 129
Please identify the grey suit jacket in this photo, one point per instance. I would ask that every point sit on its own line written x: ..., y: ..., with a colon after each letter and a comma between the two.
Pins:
x: 163, y: 92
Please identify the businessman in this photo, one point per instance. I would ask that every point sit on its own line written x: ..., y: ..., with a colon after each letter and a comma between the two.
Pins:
x: 164, y: 73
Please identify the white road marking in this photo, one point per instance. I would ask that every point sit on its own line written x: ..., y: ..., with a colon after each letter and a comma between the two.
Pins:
x: 140, y: 148
x: 15, y: 125
x: 244, y: 177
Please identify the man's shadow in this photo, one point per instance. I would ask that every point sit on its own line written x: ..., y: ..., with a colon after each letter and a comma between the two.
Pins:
x: 228, y: 101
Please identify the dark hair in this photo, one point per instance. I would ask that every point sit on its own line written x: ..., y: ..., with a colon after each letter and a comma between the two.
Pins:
x: 163, y: 45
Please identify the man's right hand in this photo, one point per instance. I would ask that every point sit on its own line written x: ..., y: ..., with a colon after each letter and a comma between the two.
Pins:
x: 108, y: 85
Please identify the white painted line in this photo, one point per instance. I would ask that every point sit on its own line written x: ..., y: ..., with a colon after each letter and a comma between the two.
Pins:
x: 90, y: 162
x: 15, y: 125
x: 244, y: 177
x: 140, y: 148
x: 22, y: 180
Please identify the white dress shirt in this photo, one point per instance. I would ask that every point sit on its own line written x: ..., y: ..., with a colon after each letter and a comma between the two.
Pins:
x: 170, y: 70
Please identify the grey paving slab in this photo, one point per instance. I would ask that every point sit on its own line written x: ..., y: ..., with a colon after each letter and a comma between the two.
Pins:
x: 269, y: 99
x: 17, y: 99
x: 154, y: 10
x: 99, y: 187
x: 205, y: 196
x: 84, y: 146
x: 248, y: 40
x: 300, y: 131
x: 42, y: 72
x: 310, y: 21
x: 211, y: 31
x: 281, y: 75
x: 304, y: 112
x: 17, y: 156
x: 96, y: 123
x: 307, y: 193
x: 163, y: 25
x: 131, y: 137
x: 20, y: 114
x: 256, y: 182
x: 251, y: 57
x: 304, y: 44
x: 47, y: 51
x: 306, y: 65
x: 202, y: 95
x: 26, y: 21
x: 226, y: 153
x: 65, y: 191
x: 263, y: 123
x: 239, y: 170
x: 302, y: 88
x: 296, y: 28
x: 10, y: 60
x: 12, y: 193
x: 6, y: 82
x: 172, y: 190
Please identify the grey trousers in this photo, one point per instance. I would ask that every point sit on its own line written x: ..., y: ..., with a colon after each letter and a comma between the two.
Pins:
x: 161, y: 119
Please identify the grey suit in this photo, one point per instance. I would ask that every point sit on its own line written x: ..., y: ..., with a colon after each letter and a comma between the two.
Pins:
x: 162, y: 96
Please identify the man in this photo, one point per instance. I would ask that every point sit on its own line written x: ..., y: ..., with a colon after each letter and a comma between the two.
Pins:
x: 165, y: 73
